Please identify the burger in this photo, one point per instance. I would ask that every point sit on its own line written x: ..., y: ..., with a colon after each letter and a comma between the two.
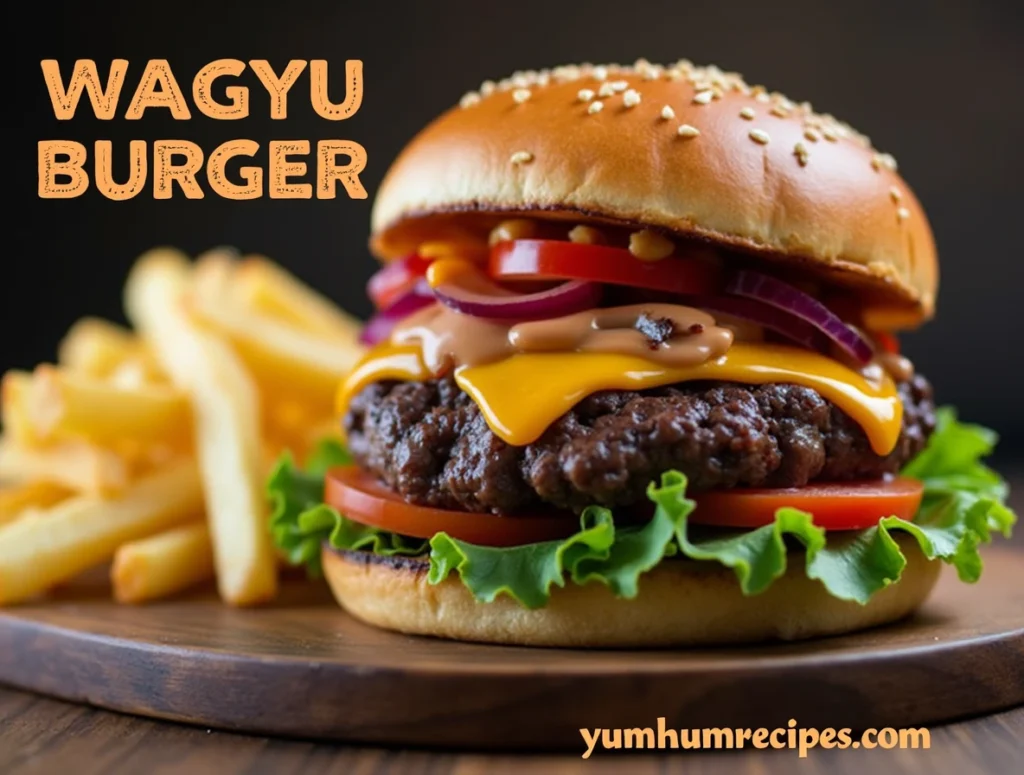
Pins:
x: 635, y: 378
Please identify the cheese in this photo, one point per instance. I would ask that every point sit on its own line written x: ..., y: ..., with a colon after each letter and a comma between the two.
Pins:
x: 521, y: 396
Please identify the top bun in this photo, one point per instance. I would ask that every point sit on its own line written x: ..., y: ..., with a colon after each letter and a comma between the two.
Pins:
x: 695, y: 152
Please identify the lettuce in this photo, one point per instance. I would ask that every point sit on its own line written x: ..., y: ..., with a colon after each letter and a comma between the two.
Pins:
x: 301, y: 523
x: 963, y: 505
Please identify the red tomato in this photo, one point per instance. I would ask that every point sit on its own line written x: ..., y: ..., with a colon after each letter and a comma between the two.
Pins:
x: 534, y: 259
x: 887, y: 342
x: 840, y: 506
x: 395, y: 279
x: 360, y: 497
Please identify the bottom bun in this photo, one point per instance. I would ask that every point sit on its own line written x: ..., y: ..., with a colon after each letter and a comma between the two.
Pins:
x: 680, y: 603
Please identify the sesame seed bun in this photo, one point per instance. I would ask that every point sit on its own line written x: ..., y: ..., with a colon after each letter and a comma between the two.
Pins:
x: 691, y: 151
x: 680, y: 603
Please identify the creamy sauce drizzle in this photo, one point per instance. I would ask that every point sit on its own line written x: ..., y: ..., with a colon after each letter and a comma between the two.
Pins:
x: 898, y: 367
x: 448, y: 338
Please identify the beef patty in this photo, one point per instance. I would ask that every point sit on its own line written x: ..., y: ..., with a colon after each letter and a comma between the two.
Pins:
x: 428, y: 442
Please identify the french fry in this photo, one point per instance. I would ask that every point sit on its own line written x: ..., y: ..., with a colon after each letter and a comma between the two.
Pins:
x: 270, y: 289
x: 56, y: 544
x: 62, y: 403
x: 14, y: 391
x: 163, y: 564
x: 18, y: 499
x: 284, y: 360
x: 75, y: 464
x: 98, y: 348
x: 287, y: 361
x: 226, y: 424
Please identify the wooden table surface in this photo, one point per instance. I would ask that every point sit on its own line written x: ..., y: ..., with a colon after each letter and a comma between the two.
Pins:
x: 40, y: 735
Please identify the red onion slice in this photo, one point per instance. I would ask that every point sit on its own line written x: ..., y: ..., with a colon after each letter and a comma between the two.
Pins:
x: 380, y: 326
x: 784, y: 296
x: 781, y: 322
x: 391, y: 279
x: 483, y: 299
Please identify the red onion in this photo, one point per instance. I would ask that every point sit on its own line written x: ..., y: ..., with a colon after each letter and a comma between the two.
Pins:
x: 796, y: 329
x: 784, y: 296
x: 379, y: 327
x: 394, y: 278
x: 481, y: 298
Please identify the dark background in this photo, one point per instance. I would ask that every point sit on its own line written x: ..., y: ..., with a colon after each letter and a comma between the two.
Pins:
x: 938, y: 84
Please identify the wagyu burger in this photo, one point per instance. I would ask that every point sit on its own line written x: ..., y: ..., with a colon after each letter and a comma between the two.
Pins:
x: 635, y: 378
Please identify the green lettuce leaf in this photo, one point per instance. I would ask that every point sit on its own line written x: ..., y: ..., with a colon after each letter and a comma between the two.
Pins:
x: 963, y: 505
x: 526, y: 573
x: 301, y: 523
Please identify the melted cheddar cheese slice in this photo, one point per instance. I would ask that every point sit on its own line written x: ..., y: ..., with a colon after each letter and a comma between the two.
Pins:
x: 521, y: 396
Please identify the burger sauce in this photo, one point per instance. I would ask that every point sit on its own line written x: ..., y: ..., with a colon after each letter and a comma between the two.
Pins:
x: 449, y: 338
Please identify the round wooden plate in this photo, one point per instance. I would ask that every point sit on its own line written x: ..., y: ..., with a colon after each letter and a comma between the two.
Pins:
x: 304, y: 668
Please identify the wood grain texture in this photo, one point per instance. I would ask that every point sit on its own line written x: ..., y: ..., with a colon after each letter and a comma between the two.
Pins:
x: 43, y: 736
x: 304, y: 668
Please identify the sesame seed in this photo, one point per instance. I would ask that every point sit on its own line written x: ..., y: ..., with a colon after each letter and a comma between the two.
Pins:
x: 685, y: 130
x: 800, y: 151
x: 469, y: 98
x: 709, y: 83
x: 903, y: 213
x: 585, y: 95
x: 759, y: 136
x: 631, y: 98
x: 667, y: 113
x: 895, y: 194
x: 880, y: 160
x: 606, y: 90
x: 595, y: 107
x: 521, y: 157
x: 748, y: 114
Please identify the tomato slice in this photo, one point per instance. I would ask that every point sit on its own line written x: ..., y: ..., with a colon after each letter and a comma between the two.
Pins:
x: 360, y: 497
x: 395, y: 279
x: 887, y: 342
x: 840, y: 506
x: 534, y: 259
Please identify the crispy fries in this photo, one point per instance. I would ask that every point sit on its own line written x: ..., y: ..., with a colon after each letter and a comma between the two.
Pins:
x: 163, y: 564
x: 225, y: 404
x: 55, y: 544
x: 16, y: 500
x: 62, y: 404
x: 14, y: 391
x: 269, y: 289
x: 77, y: 465
x: 284, y: 360
x: 98, y: 349
x: 150, y: 446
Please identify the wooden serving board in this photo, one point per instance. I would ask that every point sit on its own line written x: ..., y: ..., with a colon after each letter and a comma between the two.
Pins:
x: 305, y: 668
